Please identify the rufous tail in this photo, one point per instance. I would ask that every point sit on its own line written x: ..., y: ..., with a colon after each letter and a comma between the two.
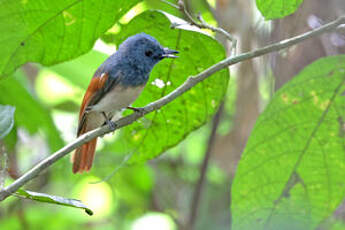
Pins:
x: 83, y: 157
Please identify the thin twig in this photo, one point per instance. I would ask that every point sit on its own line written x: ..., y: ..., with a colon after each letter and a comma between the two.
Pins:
x: 203, y: 170
x: 170, y: 4
x: 203, y: 25
x: 188, y: 84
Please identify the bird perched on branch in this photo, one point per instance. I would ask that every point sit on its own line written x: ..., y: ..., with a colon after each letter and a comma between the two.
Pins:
x: 114, y: 86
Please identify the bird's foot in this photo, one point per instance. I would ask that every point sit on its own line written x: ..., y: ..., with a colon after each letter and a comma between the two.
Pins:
x: 112, y: 125
x: 137, y: 109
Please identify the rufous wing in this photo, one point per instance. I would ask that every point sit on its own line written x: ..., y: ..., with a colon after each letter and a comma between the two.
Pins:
x: 83, y: 156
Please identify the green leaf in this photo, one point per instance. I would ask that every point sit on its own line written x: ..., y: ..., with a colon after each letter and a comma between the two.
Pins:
x: 272, y: 9
x: 291, y: 175
x: 51, y: 32
x: 46, y: 198
x: 80, y: 70
x: 162, y: 129
x: 6, y: 119
x: 29, y: 112
x: 11, y: 139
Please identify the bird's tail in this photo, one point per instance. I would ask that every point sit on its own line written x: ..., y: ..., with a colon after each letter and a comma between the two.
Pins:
x: 82, y: 158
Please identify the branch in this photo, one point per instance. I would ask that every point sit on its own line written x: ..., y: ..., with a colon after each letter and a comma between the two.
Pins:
x: 188, y: 84
x: 203, y: 25
x: 194, y: 208
x: 170, y: 4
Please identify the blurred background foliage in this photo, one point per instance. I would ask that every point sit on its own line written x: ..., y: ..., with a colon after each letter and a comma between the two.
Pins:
x: 158, y: 194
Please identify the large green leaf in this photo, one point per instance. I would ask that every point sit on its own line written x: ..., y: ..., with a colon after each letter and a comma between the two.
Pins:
x: 50, y: 32
x: 6, y: 119
x: 152, y: 135
x: 78, y: 71
x: 291, y: 175
x: 29, y: 112
x: 46, y: 198
x: 272, y: 9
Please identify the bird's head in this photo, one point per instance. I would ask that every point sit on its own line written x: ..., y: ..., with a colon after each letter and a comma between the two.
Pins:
x: 143, y: 51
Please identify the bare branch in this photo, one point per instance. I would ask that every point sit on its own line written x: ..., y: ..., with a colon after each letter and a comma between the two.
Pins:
x: 170, y: 4
x: 194, y: 208
x: 203, y: 25
x: 188, y: 84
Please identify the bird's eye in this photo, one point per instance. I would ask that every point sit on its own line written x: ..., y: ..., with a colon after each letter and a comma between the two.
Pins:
x: 148, y: 53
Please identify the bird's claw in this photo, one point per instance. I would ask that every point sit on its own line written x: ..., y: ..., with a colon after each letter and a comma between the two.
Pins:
x: 112, y: 125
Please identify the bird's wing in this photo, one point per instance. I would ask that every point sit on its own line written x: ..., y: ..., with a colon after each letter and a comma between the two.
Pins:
x: 100, y: 85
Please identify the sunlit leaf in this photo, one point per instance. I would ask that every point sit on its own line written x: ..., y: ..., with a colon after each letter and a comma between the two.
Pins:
x: 46, y: 198
x: 272, y: 9
x: 162, y: 129
x: 291, y: 175
x: 6, y: 119
x: 51, y: 32
x: 80, y: 70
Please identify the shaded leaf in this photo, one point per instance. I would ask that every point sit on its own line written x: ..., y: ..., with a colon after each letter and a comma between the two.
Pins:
x: 29, y: 112
x: 162, y: 129
x: 46, y: 198
x: 50, y: 32
x: 6, y: 119
x: 272, y: 9
x: 291, y: 175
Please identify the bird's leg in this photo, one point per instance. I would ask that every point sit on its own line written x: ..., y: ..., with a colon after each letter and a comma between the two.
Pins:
x: 109, y: 122
x: 136, y: 109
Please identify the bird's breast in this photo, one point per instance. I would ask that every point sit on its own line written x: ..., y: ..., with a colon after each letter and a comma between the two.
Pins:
x: 118, y: 98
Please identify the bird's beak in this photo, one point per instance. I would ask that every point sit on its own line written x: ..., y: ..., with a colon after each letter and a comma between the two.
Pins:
x: 168, y: 53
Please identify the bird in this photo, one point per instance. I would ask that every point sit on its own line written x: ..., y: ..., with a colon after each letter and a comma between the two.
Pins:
x: 115, y: 85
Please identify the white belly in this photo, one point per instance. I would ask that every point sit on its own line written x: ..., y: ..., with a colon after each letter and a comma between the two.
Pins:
x: 117, y: 99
